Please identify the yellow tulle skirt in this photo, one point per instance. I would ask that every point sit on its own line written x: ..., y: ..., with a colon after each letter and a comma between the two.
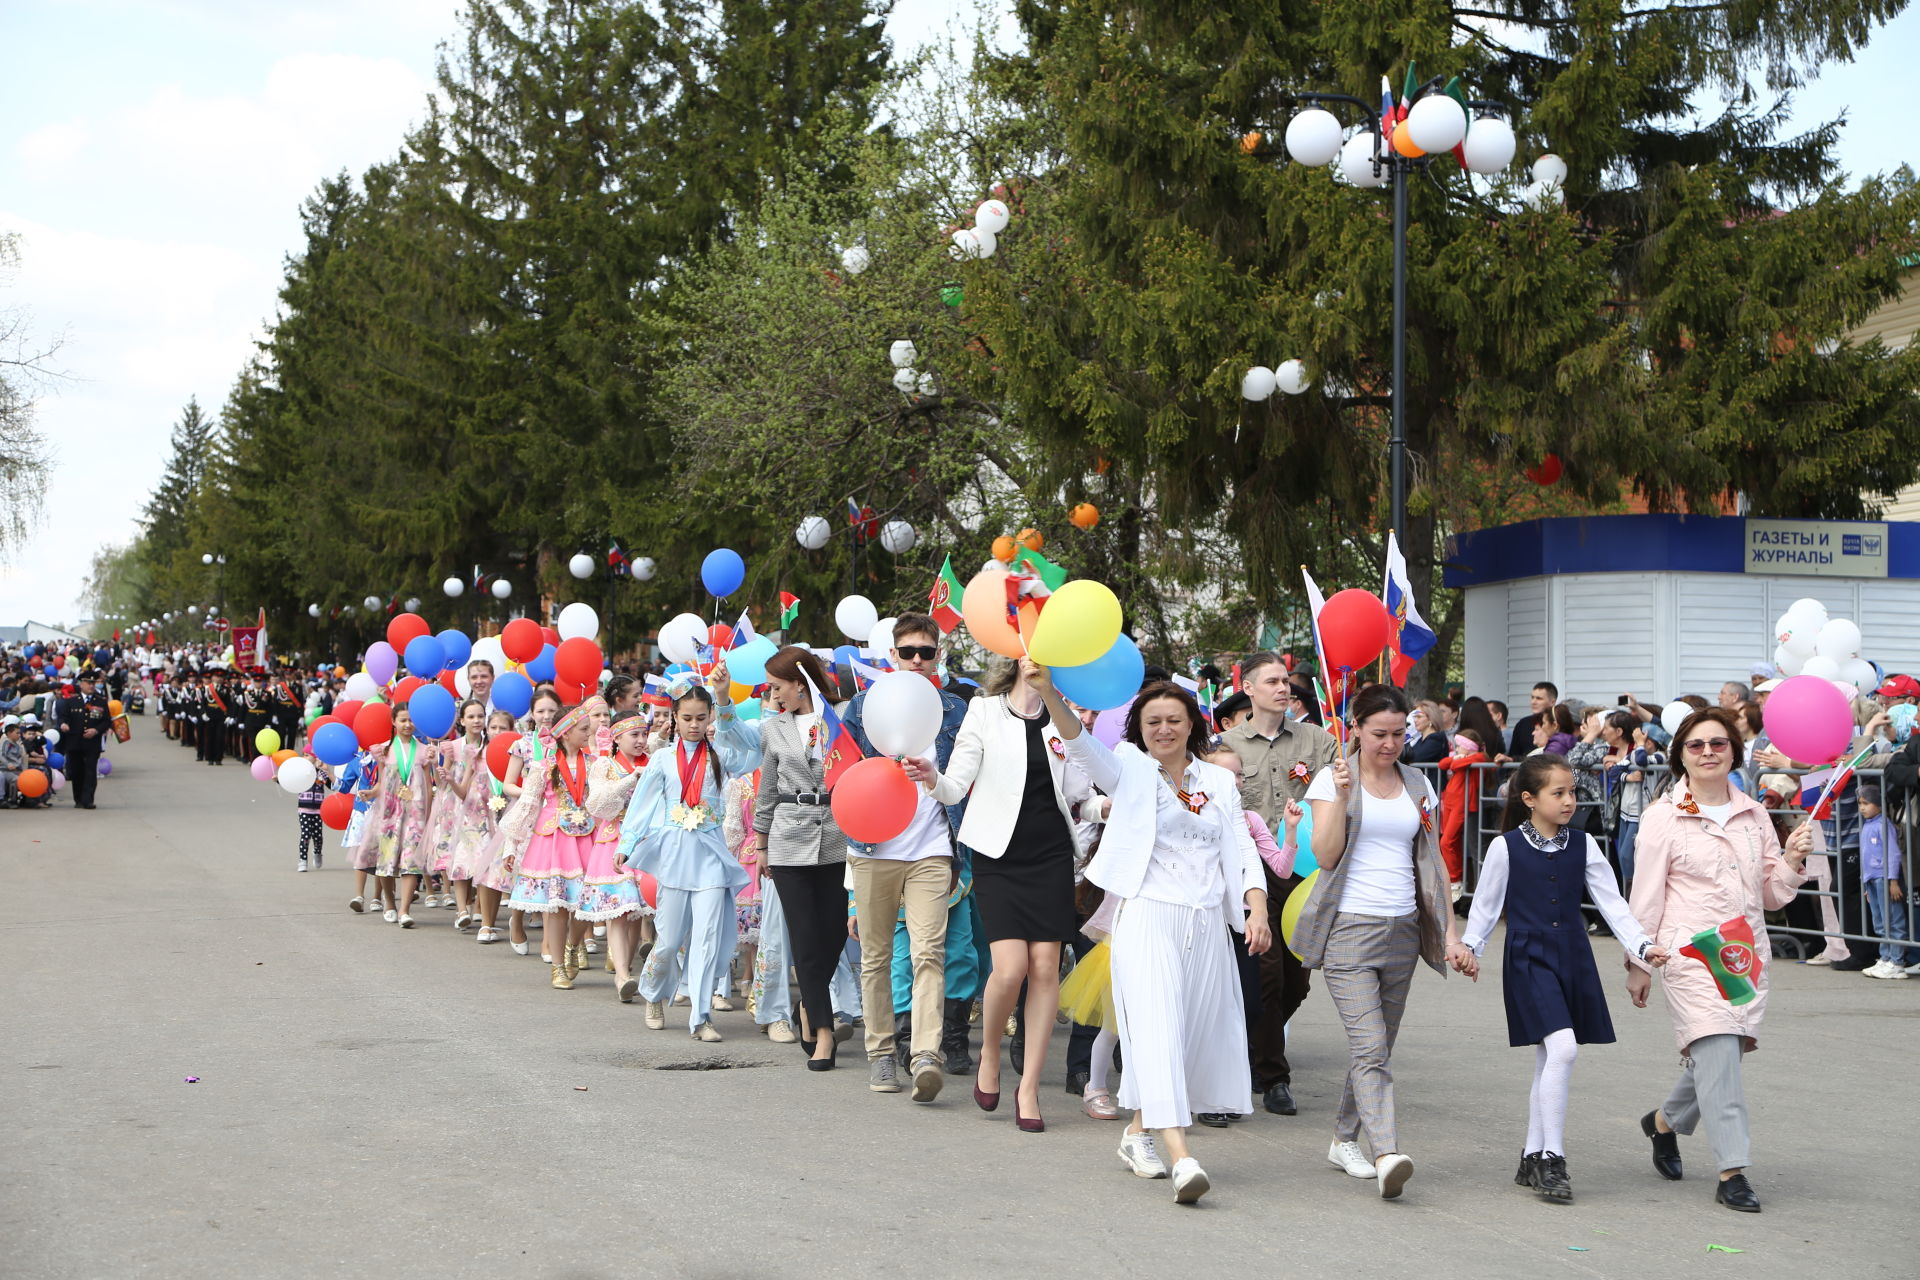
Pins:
x: 1086, y: 994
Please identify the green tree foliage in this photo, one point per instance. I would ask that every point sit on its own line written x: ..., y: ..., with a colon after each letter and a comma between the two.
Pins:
x: 25, y: 369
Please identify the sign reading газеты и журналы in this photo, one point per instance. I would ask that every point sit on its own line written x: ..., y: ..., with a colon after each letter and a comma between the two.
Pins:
x: 1841, y: 548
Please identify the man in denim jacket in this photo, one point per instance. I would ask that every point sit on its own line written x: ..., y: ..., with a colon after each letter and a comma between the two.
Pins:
x: 909, y: 895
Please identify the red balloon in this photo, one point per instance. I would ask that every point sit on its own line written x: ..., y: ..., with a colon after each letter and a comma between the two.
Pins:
x: 577, y: 660
x: 570, y: 693
x: 549, y: 636
x: 520, y: 640
x: 404, y: 690
x: 405, y: 627
x: 874, y: 800
x: 720, y: 636
x: 344, y: 712
x: 317, y: 723
x: 446, y: 682
x: 1354, y: 628
x: 649, y: 890
x: 336, y: 811
x: 374, y: 724
x: 498, y: 749
x: 1547, y: 472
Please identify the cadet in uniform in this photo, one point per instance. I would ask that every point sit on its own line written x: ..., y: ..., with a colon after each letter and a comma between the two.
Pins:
x: 84, y: 723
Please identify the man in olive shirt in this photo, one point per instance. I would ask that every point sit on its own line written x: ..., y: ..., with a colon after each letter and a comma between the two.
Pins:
x: 1278, y: 758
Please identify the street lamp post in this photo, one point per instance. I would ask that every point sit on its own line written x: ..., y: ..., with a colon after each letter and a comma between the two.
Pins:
x: 219, y: 562
x: 1399, y: 142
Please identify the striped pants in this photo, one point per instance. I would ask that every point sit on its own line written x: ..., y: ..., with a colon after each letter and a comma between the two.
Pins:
x: 1710, y: 1089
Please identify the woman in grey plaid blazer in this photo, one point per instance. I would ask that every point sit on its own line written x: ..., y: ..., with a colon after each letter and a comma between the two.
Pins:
x: 799, y: 843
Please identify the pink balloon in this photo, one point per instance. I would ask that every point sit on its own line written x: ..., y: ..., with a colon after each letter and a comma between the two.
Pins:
x: 1809, y: 720
x: 1110, y: 727
x: 261, y: 768
x: 59, y: 780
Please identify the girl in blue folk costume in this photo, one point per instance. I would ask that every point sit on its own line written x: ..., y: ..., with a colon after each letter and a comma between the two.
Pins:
x: 673, y: 833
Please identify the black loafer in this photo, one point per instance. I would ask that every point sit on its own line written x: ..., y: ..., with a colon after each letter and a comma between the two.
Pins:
x: 1666, y: 1149
x: 1213, y: 1119
x: 1737, y: 1194
x: 1279, y: 1099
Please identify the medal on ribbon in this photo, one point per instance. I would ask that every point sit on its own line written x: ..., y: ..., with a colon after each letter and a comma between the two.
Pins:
x: 573, y: 816
x: 403, y: 759
x: 692, y: 812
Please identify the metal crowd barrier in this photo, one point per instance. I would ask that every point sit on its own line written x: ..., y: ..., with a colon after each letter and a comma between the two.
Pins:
x: 1799, y: 931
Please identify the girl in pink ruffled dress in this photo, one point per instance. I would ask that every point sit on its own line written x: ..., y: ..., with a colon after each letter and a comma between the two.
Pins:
x: 405, y: 800
x: 551, y: 877
x: 527, y: 756
x: 612, y: 892
x: 483, y: 799
x: 452, y: 758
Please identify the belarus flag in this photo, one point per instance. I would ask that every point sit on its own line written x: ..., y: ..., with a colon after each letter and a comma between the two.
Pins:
x: 1411, y: 637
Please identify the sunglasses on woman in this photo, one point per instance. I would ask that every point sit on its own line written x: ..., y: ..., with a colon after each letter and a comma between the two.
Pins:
x: 1715, y: 745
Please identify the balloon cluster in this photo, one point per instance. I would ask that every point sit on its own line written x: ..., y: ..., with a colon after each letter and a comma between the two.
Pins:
x: 1006, y: 548
x: 1260, y: 382
x: 983, y: 238
x: 1814, y: 644
x: 906, y: 379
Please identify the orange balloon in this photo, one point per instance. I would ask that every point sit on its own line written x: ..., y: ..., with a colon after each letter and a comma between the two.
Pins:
x: 1029, y: 618
x: 283, y: 755
x: 114, y: 707
x: 1003, y: 548
x: 1084, y: 516
x: 1403, y: 142
x: 984, y: 606
x: 32, y: 784
x: 1251, y: 142
x: 1031, y: 539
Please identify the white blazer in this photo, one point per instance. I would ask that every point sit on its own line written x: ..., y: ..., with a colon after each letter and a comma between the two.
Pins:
x: 1130, y: 776
x: 989, y: 762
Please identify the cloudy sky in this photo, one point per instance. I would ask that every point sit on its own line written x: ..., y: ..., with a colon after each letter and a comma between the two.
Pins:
x: 153, y: 156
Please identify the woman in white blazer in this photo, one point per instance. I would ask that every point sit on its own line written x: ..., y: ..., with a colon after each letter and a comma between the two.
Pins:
x: 1178, y: 854
x: 1019, y: 825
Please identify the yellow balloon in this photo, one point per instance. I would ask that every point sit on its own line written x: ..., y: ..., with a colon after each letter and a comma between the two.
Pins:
x: 1078, y: 623
x: 739, y: 692
x: 266, y: 742
x: 1290, y: 913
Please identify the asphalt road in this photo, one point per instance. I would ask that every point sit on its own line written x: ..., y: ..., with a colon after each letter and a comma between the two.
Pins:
x: 410, y: 1104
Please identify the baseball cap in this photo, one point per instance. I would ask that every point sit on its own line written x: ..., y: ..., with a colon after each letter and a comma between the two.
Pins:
x: 1900, y: 687
x: 1767, y: 686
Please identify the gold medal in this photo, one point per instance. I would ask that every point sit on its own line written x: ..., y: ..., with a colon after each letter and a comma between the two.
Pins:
x: 574, y: 820
x: 405, y: 793
x: 496, y: 803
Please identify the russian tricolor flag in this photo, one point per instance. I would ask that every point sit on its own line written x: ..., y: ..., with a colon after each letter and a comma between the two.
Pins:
x: 1412, y: 637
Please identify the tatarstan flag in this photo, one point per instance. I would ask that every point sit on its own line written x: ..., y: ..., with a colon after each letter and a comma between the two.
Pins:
x: 789, y: 609
x: 1731, y: 957
x: 945, y: 597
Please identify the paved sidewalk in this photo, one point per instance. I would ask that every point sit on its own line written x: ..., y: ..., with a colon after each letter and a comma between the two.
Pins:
x: 380, y: 1102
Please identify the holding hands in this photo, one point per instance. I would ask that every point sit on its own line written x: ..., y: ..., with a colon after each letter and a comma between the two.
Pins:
x: 1460, y: 959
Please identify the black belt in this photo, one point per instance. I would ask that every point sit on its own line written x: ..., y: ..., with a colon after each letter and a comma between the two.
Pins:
x: 802, y: 797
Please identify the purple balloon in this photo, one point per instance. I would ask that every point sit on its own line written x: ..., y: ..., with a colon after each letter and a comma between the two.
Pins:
x: 382, y: 662
x: 106, y: 766
x: 1110, y: 727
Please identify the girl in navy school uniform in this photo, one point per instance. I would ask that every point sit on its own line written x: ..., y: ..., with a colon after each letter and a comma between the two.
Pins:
x: 1533, y: 874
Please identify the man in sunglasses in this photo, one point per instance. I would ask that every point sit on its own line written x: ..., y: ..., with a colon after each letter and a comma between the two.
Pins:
x: 915, y: 883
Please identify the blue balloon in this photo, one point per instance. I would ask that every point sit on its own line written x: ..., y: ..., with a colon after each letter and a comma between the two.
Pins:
x: 748, y: 710
x: 540, y: 670
x: 722, y: 572
x: 432, y: 708
x: 1304, y: 862
x: 748, y: 664
x: 845, y: 656
x: 513, y: 694
x: 56, y: 760
x: 677, y: 668
x: 457, y: 648
x: 1106, y: 682
x: 425, y: 657
x: 106, y: 766
x: 335, y: 744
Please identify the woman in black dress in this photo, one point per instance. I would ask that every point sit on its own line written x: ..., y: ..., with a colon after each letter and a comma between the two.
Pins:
x: 1010, y: 767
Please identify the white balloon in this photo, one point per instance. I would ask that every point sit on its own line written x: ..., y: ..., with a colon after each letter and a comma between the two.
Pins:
x: 52, y: 736
x: 902, y: 714
x: 412, y: 605
x: 1820, y: 665
x: 1256, y: 383
x: 904, y: 381
x: 1808, y: 612
x: 454, y: 588
x: 193, y: 609
x: 296, y: 774
x: 1313, y: 137
x: 1839, y: 640
x: 643, y: 568
x: 814, y: 533
x: 313, y: 611
x: 1550, y: 170
x: 578, y: 621
x: 1787, y: 662
x: 992, y: 216
x: 855, y: 259
x: 926, y: 385
x: 581, y: 566
x: 1437, y: 123
x: 993, y: 566
x: 989, y: 243
x: 898, y: 537
x: 855, y: 616
x: 966, y: 244
x: 1356, y: 162
x: 360, y: 687
x: 1673, y: 714
x: 903, y: 353
x: 880, y: 641
x: 1490, y: 145
x: 1859, y: 673
x: 1292, y: 377
x: 501, y: 588
x: 681, y: 638
x: 372, y: 602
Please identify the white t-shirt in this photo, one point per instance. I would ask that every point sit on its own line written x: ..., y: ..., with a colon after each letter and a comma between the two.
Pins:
x: 1718, y: 812
x: 925, y: 837
x: 1380, y: 866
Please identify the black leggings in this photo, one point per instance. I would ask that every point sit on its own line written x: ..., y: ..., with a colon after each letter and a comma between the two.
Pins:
x: 814, y: 901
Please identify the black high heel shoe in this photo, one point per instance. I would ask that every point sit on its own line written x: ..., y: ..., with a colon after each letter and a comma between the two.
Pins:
x: 827, y: 1063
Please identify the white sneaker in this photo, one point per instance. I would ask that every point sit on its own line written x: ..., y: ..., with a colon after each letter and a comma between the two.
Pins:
x: 1895, y: 972
x: 1189, y: 1181
x: 656, y: 1015
x: 780, y: 1031
x: 1346, y: 1156
x: 1880, y: 969
x: 722, y: 1005
x: 389, y: 915
x: 1913, y: 970
x: 303, y: 863
x: 1394, y: 1169
x: 1142, y: 1155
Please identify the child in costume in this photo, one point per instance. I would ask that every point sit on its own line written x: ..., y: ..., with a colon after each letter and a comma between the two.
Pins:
x: 612, y: 892
x: 401, y: 810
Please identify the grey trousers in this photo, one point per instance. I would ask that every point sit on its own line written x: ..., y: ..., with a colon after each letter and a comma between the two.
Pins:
x: 1367, y: 968
x: 1710, y: 1089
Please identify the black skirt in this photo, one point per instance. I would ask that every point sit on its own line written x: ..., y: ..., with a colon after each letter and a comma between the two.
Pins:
x: 1027, y: 893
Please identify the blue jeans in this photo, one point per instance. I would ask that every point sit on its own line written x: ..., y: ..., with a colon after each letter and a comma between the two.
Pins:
x: 1889, y: 921
x: 1623, y: 847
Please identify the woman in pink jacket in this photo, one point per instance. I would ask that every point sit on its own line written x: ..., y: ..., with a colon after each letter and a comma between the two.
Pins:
x: 1706, y: 857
